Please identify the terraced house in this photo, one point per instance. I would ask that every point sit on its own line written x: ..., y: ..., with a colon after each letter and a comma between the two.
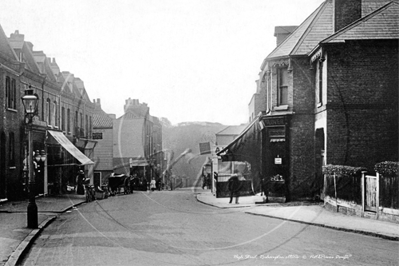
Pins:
x: 330, y: 96
x: 61, y: 128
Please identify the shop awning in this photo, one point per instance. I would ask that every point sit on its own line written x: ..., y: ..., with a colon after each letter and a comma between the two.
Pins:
x: 66, y: 144
x: 246, y: 146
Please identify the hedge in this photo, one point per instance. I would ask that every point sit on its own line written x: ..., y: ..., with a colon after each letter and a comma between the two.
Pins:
x: 348, y: 182
x: 389, y: 184
x: 387, y: 169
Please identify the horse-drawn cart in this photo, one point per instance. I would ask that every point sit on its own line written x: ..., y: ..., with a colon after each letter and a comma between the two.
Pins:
x: 119, y: 184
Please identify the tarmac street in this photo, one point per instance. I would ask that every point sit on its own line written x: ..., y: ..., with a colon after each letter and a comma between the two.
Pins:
x: 182, y: 228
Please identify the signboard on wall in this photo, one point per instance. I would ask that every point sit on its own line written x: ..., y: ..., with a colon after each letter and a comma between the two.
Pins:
x: 205, y: 148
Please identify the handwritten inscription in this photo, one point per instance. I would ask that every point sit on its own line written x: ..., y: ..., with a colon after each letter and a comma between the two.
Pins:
x: 292, y: 256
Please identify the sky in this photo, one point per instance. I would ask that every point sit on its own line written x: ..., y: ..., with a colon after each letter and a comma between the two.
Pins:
x: 189, y: 60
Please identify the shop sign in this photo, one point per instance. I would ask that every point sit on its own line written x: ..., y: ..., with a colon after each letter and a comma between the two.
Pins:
x: 274, y: 121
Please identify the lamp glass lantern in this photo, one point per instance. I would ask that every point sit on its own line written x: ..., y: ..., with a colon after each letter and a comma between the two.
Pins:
x: 42, y: 155
x: 30, y: 102
x: 37, y: 156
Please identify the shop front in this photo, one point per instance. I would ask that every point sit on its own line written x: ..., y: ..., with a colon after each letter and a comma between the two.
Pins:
x: 241, y: 155
x: 64, y: 162
x: 275, y: 150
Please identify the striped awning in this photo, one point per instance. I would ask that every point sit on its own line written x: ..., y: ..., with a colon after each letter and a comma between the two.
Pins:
x: 67, y: 145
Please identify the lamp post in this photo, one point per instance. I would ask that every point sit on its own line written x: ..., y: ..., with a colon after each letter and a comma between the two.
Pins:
x: 30, y: 102
x: 40, y: 157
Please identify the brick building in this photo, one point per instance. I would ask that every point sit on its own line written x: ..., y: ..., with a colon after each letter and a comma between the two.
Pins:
x: 331, y: 95
x: 64, y: 118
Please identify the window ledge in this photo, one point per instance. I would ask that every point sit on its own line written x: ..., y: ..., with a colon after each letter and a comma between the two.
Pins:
x: 281, y: 108
x: 12, y: 167
x: 12, y: 110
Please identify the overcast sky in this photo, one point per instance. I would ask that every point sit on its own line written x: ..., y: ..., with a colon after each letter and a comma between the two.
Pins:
x: 189, y: 60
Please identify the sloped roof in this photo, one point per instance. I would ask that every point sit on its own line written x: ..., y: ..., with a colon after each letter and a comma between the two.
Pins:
x: 232, y: 130
x: 318, y: 26
x: 101, y: 119
x: 369, y: 6
x: 5, y: 47
x: 381, y: 24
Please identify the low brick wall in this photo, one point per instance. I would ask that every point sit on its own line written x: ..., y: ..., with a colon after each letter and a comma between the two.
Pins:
x: 349, y: 208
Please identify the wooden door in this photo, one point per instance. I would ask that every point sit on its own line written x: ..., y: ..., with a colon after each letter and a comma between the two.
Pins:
x: 370, y: 193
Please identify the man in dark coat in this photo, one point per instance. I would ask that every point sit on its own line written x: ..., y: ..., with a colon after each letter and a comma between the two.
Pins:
x: 234, y: 186
x: 80, y: 179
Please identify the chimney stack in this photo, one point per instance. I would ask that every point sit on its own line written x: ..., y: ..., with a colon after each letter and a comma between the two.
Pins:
x: 346, y: 12
x: 282, y: 32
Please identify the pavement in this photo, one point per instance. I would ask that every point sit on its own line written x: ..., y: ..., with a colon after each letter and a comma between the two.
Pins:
x: 311, y: 213
x: 16, y: 238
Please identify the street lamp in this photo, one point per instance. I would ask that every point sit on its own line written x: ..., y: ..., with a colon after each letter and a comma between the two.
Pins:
x: 30, y: 102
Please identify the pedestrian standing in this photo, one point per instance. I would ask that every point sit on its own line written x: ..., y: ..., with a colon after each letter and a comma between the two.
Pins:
x: 80, y: 179
x: 234, y: 186
x: 158, y: 184
x: 153, y: 184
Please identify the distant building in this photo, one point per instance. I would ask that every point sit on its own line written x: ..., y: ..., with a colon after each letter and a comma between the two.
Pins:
x: 137, y: 141
x: 103, y: 135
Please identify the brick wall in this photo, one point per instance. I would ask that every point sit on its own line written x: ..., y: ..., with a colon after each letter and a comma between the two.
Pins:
x: 362, y: 105
x: 302, y: 130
